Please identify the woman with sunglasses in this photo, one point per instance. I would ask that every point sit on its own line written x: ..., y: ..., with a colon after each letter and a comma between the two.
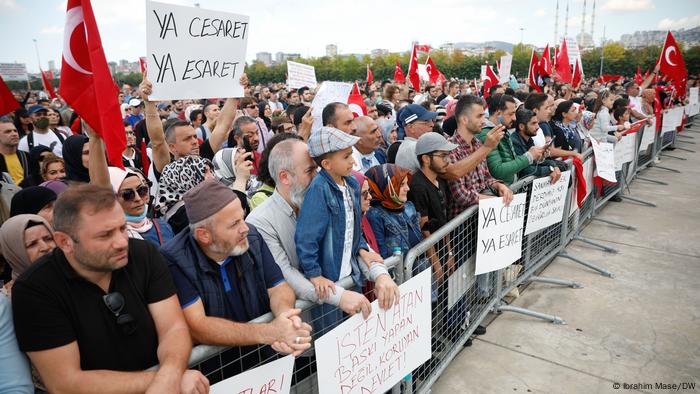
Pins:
x: 132, y: 191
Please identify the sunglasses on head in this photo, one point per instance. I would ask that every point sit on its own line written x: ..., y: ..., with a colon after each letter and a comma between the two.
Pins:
x: 130, y: 194
x: 115, y: 303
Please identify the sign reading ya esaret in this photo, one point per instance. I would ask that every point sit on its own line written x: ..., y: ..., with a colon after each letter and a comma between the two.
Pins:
x: 370, y: 356
x: 194, y: 53
x: 500, y: 235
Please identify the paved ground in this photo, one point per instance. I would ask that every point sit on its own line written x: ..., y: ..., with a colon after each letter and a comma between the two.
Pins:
x: 642, y: 327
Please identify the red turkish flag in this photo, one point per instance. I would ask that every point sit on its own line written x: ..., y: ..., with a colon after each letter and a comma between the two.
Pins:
x: 423, y: 48
x: 578, y: 75
x: 545, y: 63
x: 562, y: 66
x: 532, y: 72
x: 355, y: 102
x: 432, y: 70
x: 370, y: 78
x: 46, y: 78
x: 86, y: 83
x: 671, y: 64
x: 638, y: 77
x: 605, y: 78
x: 398, y: 74
x: 142, y: 64
x: 8, y: 102
x: 490, y: 79
x: 635, y: 127
x: 413, y: 70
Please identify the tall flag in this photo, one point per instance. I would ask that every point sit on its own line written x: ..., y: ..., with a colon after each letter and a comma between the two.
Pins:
x: 578, y: 74
x: 398, y: 74
x: 86, y: 83
x: 545, y: 63
x: 671, y: 64
x: 423, y: 48
x: 432, y: 70
x: 413, y: 70
x: 370, y: 78
x: 562, y: 66
x: 490, y: 79
x: 355, y: 102
x: 638, y: 79
x: 8, y: 102
x: 532, y: 72
x: 46, y: 77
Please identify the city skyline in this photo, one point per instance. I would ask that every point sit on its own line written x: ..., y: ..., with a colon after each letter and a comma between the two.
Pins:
x: 122, y: 25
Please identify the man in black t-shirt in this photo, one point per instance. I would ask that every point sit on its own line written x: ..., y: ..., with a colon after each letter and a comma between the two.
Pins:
x: 101, y: 308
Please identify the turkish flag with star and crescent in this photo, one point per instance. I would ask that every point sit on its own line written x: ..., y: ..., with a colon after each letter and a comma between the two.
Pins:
x: 533, y: 71
x: 545, y: 63
x: 398, y: 74
x: 86, y: 83
x: 413, y: 70
x: 671, y: 64
x: 490, y: 79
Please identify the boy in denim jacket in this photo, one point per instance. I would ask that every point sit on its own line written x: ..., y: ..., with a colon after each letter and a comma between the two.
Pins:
x: 328, y: 236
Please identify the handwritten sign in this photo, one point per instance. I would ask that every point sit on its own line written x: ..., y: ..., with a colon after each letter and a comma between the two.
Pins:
x: 547, y: 202
x: 370, y: 356
x: 194, y: 53
x: 648, y: 135
x: 588, y: 170
x: 329, y: 92
x: 504, y: 71
x: 300, y: 75
x: 671, y: 119
x: 624, y: 151
x: 273, y: 377
x: 500, y: 234
x: 604, y: 154
x: 14, y: 71
x: 693, y: 96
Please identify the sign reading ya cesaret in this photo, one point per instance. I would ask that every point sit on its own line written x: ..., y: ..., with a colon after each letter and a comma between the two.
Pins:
x: 194, y: 53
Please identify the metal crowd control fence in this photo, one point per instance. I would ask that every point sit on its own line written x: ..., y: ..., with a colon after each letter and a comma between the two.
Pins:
x: 463, y: 299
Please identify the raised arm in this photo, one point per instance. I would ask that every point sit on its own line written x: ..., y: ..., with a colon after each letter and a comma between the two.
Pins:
x: 97, y: 162
x: 154, y: 127
x: 225, y: 120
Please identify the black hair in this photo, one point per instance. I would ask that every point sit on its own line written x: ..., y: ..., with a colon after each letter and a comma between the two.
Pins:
x: 535, y: 101
x: 523, y: 117
x: 383, y: 110
x: 510, y: 91
x: 562, y: 108
x: 193, y: 115
x: 498, y: 102
x: 328, y: 116
x: 465, y: 103
x: 298, y: 114
x: 493, y: 89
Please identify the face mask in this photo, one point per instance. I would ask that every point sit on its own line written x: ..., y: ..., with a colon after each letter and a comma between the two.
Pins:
x: 42, y: 123
x: 136, y: 219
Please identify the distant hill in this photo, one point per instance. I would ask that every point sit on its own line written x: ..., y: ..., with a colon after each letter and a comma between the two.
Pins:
x: 508, y: 47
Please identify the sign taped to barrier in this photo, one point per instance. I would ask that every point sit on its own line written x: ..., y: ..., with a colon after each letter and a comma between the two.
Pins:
x: 194, y: 53
x: 273, y: 377
x: 500, y: 234
x: 370, y: 356
x: 604, y: 154
x: 547, y: 202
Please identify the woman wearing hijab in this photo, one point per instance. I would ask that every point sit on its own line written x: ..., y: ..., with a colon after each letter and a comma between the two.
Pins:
x: 36, y: 157
x: 76, y: 153
x: 35, y: 200
x: 177, y: 179
x: 23, y: 240
x: 367, y: 232
x: 233, y: 170
x: 132, y: 191
x: 265, y: 113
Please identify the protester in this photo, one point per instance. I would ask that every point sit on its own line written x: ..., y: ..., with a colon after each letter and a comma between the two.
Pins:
x: 41, y: 134
x: 76, y: 154
x: 12, y: 161
x: 526, y: 126
x: 388, y: 129
x: 56, y: 123
x: 15, y: 374
x: 23, y: 240
x: 23, y: 122
x: 35, y: 200
x: 563, y: 126
x: 367, y: 151
x: 251, y: 108
x: 211, y: 114
x: 267, y: 182
x: 246, y: 136
x: 339, y: 116
x: 131, y: 157
x: 604, y: 130
x: 417, y: 121
x: 52, y: 168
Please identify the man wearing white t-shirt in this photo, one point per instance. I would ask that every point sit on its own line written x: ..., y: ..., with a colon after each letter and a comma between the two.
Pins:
x: 41, y: 135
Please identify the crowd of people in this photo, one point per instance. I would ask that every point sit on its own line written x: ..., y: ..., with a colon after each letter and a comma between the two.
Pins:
x: 228, y: 209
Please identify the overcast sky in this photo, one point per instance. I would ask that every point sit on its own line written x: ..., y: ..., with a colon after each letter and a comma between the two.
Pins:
x: 358, y: 26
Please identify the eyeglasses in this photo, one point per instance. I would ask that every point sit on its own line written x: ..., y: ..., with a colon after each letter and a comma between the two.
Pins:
x: 115, y: 303
x: 130, y: 194
x: 440, y: 155
x: 251, y: 106
x: 130, y: 133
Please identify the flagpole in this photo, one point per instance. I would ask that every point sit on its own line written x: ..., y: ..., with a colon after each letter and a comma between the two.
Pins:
x: 602, y: 55
x: 36, y: 47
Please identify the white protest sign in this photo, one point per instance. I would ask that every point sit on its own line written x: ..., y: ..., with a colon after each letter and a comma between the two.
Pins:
x: 300, y: 75
x: 693, y: 96
x: 648, y: 134
x: 672, y: 118
x: 604, y: 154
x: 370, y: 356
x: 588, y: 169
x: 460, y: 281
x: 423, y: 72
x: 273, y: 377
x: 573, y: 204
x: 500, y: 235
x: 329, y: 92
x: 504, y: 72
x: 547, y: 202
x: 14, y: 72
x: 483, y: 72
x: 624, y: 151
x: 194, y: 53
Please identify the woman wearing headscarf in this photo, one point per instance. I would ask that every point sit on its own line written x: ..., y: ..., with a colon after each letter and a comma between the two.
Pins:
x: 35, y: 200
x: 265, y: 113
x: 76, y: 153
x: 367, y: 232
x: 36, y: 156
x: 177, y: 179
x: 132, y: 190
x: 233, y: 170
x: 23, y: 240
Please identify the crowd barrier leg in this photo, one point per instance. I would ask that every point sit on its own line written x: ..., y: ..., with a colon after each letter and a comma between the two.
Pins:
x: 618, y: 224
x: 641, y: 178
x: 592, y: 266
x: 556, y: 281
x: 664, y: 168
x: 509, y: 308
x: 672, y: 156
x: 685, y: 149
x: 605, y: 248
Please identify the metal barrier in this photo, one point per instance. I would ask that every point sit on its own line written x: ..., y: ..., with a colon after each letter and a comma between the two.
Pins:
x: 463, y: 299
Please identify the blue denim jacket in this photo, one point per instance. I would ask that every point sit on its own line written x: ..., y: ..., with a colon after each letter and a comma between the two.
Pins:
x: 395, y: 228
x: 320, y: 232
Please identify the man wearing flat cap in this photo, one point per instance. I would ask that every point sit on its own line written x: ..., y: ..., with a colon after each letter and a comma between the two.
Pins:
x: 226, y: 276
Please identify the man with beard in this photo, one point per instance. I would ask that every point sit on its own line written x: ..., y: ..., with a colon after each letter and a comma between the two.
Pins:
x: 13, y: 161
x: 101, y: 308
x: 293, y: 169
x: 226, y: 276
x: 526, y: 126
x: 503, y: 162
x: 131, y: 157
